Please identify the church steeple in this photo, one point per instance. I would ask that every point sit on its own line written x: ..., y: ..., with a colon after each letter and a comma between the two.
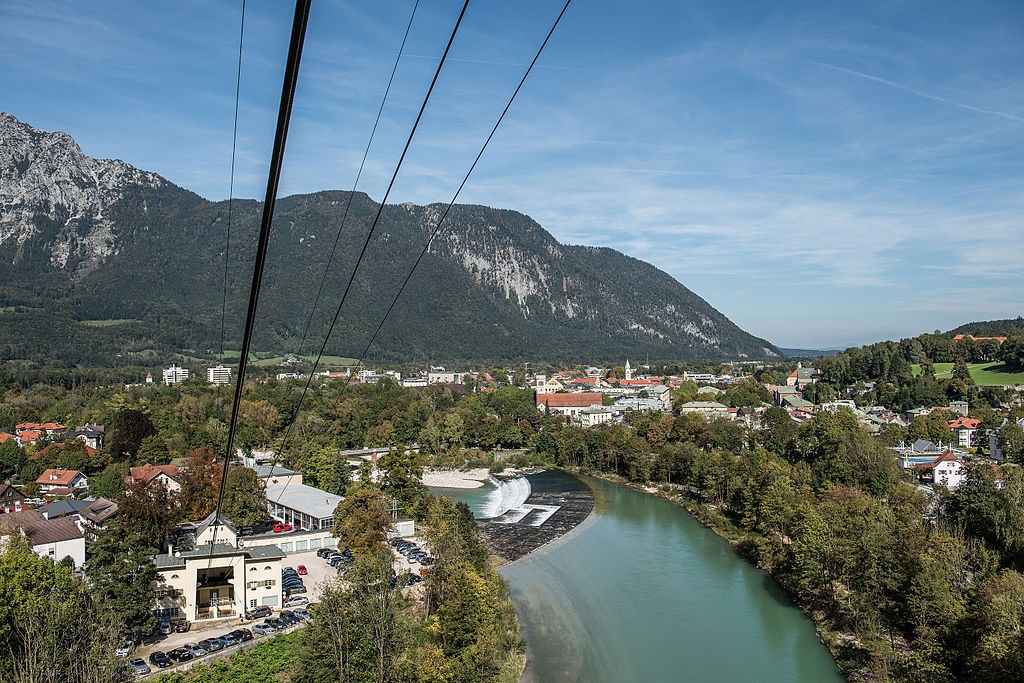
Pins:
x: 629, y: 370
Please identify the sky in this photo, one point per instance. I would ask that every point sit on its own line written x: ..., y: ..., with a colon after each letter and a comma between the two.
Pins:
x: 823, y: 173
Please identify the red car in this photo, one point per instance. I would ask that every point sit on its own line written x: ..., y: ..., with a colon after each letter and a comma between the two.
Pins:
x: 280, y: 526
x: 302, y: 570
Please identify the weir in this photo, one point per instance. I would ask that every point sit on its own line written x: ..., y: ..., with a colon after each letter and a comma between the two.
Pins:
x: 508, y: 495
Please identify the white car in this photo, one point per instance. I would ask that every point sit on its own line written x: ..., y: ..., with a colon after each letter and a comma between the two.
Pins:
x: 125, y: 649
x: 296, y: 601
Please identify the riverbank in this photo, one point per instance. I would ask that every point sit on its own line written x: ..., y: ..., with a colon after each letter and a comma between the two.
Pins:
x: 510, y: 541
x: 841, y: 645
x: 455, y: 479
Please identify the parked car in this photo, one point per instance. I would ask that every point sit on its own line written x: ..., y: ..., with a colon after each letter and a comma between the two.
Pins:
x: 211, y: 645
x: 160, y: 659
x: 180, y: 654
x: 295, y: 590
x: 182, y: 626
x: 264, y: 630
x: 228, y: 640
x: 139, y: 667
x: 414, y: 579
x: 324, y: 552
x: 279, y: 624
x: 302, y: 613
x: 164, y: 628
x: 125, y: 649
x: 280, y: 526
x: 241, y: 634
x: 258, y: 612
x: 288, y: 617
x: 296, y: 601
x: 196, y: 650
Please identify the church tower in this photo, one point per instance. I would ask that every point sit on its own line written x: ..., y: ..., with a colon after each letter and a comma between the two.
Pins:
x: 629, y: 370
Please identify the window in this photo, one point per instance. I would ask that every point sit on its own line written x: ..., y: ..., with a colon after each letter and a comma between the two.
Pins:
x: 268, y: 568
x: 252, y: 603
x: 269, y: 583
x: 252, y: 569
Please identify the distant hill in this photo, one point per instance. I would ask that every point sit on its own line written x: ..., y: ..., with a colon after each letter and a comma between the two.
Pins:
x: 808, y: 353
x: 991, y: 328
x: 103, y: 262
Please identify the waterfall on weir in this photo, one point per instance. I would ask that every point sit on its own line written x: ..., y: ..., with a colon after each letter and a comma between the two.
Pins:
x: 508, y: 494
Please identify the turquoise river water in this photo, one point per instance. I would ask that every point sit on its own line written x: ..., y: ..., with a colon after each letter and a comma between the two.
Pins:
x: 642, y: 592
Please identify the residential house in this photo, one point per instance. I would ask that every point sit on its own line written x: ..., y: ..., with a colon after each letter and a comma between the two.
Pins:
x: 7, y: 436
x: 30, y: 432
x: 10, y: 497
x: 91, y: 434
x: 53, y: 538
x: 995, y: 452
x: 948, y: 470
x: 710, y: 409
x: 802, y: 377
x: 567, y: 404
x: 965, y: 431
x: 99, y: 512
x: 590, y: 417
x: 58, y: 482
x: 166, y: 475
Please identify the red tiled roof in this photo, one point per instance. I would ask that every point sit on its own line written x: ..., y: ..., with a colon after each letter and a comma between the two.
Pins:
x: 6, y: 436
x: 964, y: 422
x: 148, y: 472
x: 57, y: 477
x: 948, y: 455
x: 57, y: 447
x: 577, y: 400
x: 971, y: 337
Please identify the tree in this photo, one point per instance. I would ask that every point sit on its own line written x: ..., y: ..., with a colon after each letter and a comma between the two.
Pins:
x: 110, y: 482
x: 362, y: 520
x: 123, y: 575
x: 245, y: 500
x: 151, y: 510
x: 402, y: 472
x: 999, y: 641
x: 130, y: 427
x: 200, y: 483
x: 1011, y: 442
x: 52, y: 628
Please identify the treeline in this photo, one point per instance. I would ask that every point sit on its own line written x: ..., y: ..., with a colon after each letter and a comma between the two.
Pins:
x: 903, y: 586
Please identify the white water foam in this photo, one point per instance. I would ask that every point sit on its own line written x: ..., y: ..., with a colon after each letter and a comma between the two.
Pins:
x: 508, y: 494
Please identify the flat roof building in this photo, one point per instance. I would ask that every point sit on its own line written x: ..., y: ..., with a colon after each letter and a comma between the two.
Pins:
x: 304, y: 507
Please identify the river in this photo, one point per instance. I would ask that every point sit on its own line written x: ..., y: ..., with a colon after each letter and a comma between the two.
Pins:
x: 642, y: 592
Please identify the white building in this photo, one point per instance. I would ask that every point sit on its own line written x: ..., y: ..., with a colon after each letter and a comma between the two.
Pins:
x: 54, y: 538
x: 218, y: 375
x: 596, y: 415
x: 446, y: 378
x: 302, y: 506
x: 175, y: 374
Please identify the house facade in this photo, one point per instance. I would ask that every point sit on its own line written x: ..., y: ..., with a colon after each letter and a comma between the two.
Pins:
x: 56, y: 481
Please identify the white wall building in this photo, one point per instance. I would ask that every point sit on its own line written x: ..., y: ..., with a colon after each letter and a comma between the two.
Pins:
x: 218, y: 375
x: 53, y: 538
x: 175, y: 374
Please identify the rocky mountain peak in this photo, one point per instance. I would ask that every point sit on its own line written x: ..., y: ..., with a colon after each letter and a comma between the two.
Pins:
x: 53, y: 194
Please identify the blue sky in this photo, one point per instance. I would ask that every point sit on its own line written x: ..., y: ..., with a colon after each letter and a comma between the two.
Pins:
x: 824, y: 173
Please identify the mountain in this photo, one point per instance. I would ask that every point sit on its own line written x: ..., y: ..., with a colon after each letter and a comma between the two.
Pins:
x: 102, y: 260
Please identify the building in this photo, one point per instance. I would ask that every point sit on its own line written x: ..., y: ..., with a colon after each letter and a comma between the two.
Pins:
x: 218, y: 375
x: 10, y: 498
x: 165, y: 475
x: 304, y: 507
x: 947, y: 469
x: 568, y: 404
x: 446, y: 377
x: 710, y: 409
x: 30, y: 432
x: 590, y: 417
x: 995, y: 452
x: 271, y: 475
x: 219, y: 580
x: 174, y: 374
x: 53, y: 538
x: 99, y: 512
x: 91, y: 434
x: 965, y: 431
x: 62, y: 482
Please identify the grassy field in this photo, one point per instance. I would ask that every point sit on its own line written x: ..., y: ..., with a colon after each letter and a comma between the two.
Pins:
x: 984, y: 374
x: 108, y: 323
